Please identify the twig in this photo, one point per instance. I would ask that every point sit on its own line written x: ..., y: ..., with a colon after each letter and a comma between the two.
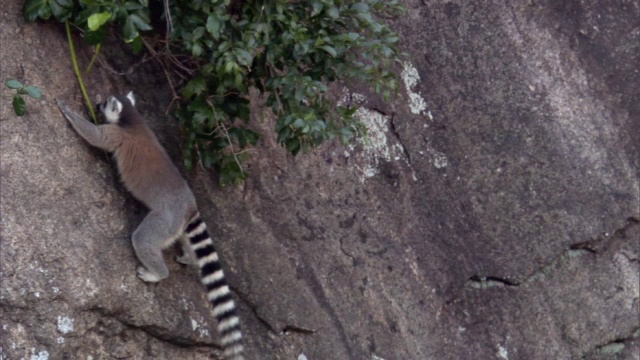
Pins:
x: 166, y: 73
x: 235, y: 157
x: 74, y: 60
x: 167, y: 13
x: 226, y: 134
x: 122, y: 73
x: 94, y: 57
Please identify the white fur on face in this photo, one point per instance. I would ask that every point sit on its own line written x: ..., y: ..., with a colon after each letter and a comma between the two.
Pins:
x: 112, y: 109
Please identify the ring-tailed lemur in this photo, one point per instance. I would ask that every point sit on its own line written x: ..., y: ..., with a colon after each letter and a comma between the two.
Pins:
x: 150, y: 175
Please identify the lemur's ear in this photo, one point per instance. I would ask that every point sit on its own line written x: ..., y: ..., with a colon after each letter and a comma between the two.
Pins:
x: 131, y: 98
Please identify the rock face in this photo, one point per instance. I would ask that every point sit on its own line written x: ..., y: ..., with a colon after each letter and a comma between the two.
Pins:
x: 493, y: 213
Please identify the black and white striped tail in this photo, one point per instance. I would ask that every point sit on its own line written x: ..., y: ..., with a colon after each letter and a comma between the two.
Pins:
x: 218, y: 293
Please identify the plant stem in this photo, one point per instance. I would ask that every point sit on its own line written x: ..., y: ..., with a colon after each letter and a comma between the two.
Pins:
x: 93, y: 58
x: 74, y: 60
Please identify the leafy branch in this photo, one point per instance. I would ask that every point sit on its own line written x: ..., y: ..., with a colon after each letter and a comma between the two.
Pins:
x: 215, y: 51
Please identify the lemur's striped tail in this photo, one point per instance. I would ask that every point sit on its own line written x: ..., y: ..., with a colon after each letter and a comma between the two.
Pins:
x: 218, y: 293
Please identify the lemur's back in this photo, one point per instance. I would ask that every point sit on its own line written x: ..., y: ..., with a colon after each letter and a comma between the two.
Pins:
x: 142, y: 161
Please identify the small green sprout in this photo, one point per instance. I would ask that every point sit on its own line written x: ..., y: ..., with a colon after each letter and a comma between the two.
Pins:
x: 19, y: 105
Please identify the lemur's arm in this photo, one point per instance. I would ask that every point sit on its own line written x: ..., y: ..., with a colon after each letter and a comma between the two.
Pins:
x: 106, y: 137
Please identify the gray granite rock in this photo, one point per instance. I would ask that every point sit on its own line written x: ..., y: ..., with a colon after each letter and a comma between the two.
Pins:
x: 491, y: 214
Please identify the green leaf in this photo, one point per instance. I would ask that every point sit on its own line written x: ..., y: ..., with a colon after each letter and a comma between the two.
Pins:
x: 45, y: 13
x: 137, y: 45
x: 61, y: 9
x: 129, y: 30
x: 197, y: 33
x: 120, y: 14
x: 230, y: 66
x: 13, y: 84
x: 243, y: 56
x: 293, y: 145
x: 224, y: 46
x: 329, y: 49
x: 244, y: 113
x: 140, y: 22
x: 196, y: 50
x: 346, y: 133
x: 82, y: 16
x: 95, y: 21
x: 132, y: 5
x: 317, y: 8
x: 33, y: 9
x: 33, y: 91
x: 366, y: 16
x: 213, y: 26
x: 360, y: 7
x: 196, y: 86
x: 199, y: 118
x: 298, y: 124
x: 19, y: 106
x: 95, y: 37
x: 238, y: 80
x: 333, y: 12
x: 195, y: 4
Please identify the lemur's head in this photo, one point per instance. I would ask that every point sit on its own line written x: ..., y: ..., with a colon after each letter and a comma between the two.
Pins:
x: 118, y: 109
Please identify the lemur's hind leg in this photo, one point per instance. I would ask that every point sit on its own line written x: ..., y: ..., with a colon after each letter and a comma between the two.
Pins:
x: 187, y: 258
x: 156, y: 232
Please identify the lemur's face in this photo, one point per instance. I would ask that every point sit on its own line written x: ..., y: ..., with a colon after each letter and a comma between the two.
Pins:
x: 112, y: 108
